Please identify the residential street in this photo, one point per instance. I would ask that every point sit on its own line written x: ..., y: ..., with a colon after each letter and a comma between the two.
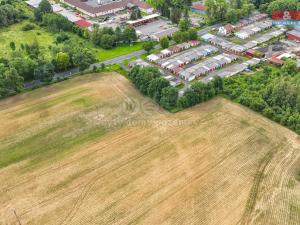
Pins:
x: 70, y: 72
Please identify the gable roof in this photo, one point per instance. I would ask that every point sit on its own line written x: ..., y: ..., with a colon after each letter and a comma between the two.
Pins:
x: 229, y: 28
x: 199, y: 7
x: 83, y: 23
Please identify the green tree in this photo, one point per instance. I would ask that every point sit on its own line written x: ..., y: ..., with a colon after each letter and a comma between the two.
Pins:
x: 184, y: 24
x: 44, y: 72
x: 164, y: 42
x: 175, y: 15
x: 148, y: 46
x: 178, y: 37
x: 12, y: 45
x: 10, y: 82
x: 83, y: 58
x: 290, y: 67
x: 169, y: 97
x: 155, y: 88
x: 218, y: 84
x: 25, y: 66
x: 43, y: 8
x: 193, y: 35
x: 56, y: 22
x: 129, y: 34
x: 62, y: 61
x: 108, y: 41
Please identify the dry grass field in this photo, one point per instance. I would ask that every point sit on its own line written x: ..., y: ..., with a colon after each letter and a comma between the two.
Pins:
x: 92, y: 150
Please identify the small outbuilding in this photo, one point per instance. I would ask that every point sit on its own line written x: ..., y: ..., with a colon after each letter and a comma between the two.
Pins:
x: 294, y: 35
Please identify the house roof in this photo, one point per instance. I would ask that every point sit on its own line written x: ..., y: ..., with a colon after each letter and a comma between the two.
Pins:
x: 83, y: 23
x: 229, y: 27
x: 34, y: 3
x: 107, y: 7
x: 294, y: 32
x: 276, y: 61
x: 140, y: 4
x: 199, y: 7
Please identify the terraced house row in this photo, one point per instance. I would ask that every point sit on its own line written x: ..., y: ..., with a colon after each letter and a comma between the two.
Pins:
x: 254, y: 28
x: 207, y: 66
x: 172, y: 50
x: 224, y: 44
x: 176, y: 63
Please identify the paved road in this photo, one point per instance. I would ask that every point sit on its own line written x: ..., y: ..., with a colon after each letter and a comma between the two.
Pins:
x: 116, y: 60
x: 207, y: 29
x: 70, y: 72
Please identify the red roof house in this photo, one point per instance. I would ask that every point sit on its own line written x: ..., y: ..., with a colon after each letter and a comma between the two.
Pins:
x: 275, y: 61
x: 198, y: 8
x: 83, y: 23
x: 294, y: 35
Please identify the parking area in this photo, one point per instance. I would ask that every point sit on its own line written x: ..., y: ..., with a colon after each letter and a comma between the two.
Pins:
x: 155, y: 27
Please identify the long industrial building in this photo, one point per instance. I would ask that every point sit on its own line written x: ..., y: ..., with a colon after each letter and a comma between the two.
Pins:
x: 95, y: 8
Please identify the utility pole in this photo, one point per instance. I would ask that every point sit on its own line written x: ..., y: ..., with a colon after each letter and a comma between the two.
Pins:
x: 18, y: 219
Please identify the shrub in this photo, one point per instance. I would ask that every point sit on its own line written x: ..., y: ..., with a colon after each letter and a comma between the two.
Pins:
x: 28, y: 26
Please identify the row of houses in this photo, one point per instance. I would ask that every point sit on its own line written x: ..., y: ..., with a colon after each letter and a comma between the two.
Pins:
x: 232, y: 70
x: 254, y: 28
x: 207, y: 66
x: 278, y: 58
x: 229, y: 28
x: 176, y: 63
x: 237, y: 68
x: 174, y: 81
x: 240, y: 49
x: 172, y: 50
x: 294, y: 35
x: 254, y: 17
x: 224, y: 44
x: 264, y: 38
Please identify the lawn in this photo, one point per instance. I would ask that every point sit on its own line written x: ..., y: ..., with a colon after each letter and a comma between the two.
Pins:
x: 103, y: 55
x: 14, y: 33
x: 45, y: 39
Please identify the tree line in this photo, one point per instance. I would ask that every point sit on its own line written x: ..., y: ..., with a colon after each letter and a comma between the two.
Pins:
x: 29, y: 61
x: 174, y: 10
x: 200, y: 92
x: 230, y: 11
x: 272, y: 92
x: 150, y: 82
x: 10, y: 14
x: 108, y: 38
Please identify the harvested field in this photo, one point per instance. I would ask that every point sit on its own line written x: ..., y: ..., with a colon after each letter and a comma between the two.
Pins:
x: 92, y: 150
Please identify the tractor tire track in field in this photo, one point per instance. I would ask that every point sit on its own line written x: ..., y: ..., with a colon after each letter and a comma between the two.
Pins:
x: 92, y: 181
x: 255, y: 188
x: 60, y: 167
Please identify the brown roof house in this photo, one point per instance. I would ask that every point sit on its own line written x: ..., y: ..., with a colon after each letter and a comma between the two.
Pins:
x: 226, y: 30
